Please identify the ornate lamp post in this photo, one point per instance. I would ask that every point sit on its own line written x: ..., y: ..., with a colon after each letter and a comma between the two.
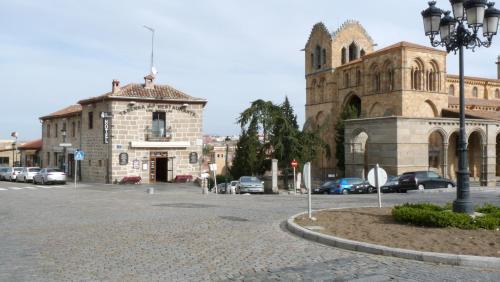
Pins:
x: 456, y: 33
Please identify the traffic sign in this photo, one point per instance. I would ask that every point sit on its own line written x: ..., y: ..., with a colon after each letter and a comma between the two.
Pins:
x: 79, y: 155
x: 382, y: 177
x: 294, y: 163
x: 65, y: 145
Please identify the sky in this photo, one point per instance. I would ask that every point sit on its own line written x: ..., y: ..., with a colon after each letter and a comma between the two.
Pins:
x: 230, y: 52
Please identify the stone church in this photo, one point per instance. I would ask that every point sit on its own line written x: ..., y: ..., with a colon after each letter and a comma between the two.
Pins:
x: 407, y: 104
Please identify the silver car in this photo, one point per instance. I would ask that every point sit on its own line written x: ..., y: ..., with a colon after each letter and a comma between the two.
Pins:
x: 4, y: 171
x: 250, y: 184
x: 12, y: 173
x: 49, y: 175
x: 27, y: 174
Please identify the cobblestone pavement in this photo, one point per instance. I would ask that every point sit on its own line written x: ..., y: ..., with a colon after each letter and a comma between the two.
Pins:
x: 120, y: 233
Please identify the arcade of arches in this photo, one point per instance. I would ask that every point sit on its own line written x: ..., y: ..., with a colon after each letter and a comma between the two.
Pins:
x: 404, y: 144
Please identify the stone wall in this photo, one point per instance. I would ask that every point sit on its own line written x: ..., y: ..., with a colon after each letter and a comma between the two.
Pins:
x: 129, y: 124
x: 50, y: 145
x: 94, y: 167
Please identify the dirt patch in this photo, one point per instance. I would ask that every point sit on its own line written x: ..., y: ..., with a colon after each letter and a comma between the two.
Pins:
x: 374, y: 225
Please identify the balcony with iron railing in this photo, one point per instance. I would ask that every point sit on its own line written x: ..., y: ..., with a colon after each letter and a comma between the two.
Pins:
x: 158, y: 134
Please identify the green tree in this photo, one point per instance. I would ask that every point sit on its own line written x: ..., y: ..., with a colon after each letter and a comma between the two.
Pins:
x: 349, y: 112
x: 247, y: 155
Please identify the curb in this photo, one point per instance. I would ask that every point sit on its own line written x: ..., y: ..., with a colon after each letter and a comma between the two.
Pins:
x: 444, y: 258
x: 453, y: 190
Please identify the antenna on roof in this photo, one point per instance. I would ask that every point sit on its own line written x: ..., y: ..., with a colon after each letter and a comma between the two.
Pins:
x: 153, y: 69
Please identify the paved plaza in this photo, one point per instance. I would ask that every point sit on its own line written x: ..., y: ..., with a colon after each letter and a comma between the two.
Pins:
x: 121, y: 233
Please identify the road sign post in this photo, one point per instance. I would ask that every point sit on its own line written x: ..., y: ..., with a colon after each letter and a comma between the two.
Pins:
x: 79, y: 155
x: 377, y: 177
x: 294, y: 164
x: 307, y: 183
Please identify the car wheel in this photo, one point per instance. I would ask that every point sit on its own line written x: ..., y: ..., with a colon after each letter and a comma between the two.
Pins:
x: 326, y: 193
x: 345, y: 192
x: 449, y: 186
x: 421, y: 187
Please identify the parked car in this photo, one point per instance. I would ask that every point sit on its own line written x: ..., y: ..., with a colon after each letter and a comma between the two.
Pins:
x: 13, y: 172
x: 422, y: 180
x: 250, y: 184
x: 233, y: 185
x: 3, y: 172
x: 221, y: 188
x: 362, y: 188
x: 49, y: 175
x: 324, y: 188
x: 391, y: 185
x: 27, y: 174
x: 343, y: 185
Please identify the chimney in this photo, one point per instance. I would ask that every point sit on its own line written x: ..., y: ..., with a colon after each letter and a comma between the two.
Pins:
x: 115, y: 86
x: 498, y: 67
x: 148, y: 81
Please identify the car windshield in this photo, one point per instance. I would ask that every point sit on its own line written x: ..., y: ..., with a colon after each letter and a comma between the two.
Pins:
x: 53, y: 170
x: 34, y: 169
x: 249, y: 179
x: 18, y: 169
x: 328, y: 183
x: 234, y: 182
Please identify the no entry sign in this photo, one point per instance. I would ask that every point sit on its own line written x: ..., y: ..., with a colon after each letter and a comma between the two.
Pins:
x: 294, y: 163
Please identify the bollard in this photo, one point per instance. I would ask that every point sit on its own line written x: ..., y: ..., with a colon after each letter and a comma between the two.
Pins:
x: 151, y: 190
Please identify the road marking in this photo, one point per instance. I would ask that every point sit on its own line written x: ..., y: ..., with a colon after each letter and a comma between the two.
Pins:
x: 3, y: 189
x: 32, y: 188
x: 16, y: 188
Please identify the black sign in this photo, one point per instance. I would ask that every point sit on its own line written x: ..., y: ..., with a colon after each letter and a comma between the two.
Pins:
x: 193, y: 157
x: 105, y: 130
x: 123, y: 158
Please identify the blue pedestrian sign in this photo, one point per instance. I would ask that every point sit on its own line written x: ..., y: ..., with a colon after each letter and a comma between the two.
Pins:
x: 79, y: 155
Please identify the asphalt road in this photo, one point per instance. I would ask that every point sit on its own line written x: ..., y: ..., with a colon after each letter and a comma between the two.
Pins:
x: 120, y: 233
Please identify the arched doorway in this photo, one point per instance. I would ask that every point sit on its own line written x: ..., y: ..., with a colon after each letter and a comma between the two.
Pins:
x: 436, y: 152
x: 453, y: 156
x: 474, y: 154
x: 354, y: 102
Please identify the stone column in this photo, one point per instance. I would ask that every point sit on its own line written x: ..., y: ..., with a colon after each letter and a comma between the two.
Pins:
x: 275, y: 176
x: 489, y: 156
x: 445, y: 160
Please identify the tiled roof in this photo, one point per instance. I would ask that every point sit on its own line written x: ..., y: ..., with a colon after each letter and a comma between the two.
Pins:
x: 454, y: 76
x: 475, y: 114
x: 476, y: 102
x: 68, y: 111
x: 404, y: 44
x: 32, y: 145
x: 136, y: 90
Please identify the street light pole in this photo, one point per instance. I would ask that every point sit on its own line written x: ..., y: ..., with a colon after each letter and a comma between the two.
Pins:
x: 455, y: 36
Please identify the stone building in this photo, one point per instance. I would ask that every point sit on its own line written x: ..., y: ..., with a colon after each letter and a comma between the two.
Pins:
x: 407, y: 105
x: 147, y: 130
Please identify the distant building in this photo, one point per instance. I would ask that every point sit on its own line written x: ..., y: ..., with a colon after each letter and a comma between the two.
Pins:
x: 30, y: 153
x: 9, y: 155
x: 407, y: 104
x: 148, y: 130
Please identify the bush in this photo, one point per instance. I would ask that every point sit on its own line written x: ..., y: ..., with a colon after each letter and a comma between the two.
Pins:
x: 430, y: 215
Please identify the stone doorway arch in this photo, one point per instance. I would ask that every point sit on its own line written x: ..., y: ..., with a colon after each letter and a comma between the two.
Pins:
x: 475, y: 155
x: 436, y: 152
x: 353, y: 101
x: 453, y: 156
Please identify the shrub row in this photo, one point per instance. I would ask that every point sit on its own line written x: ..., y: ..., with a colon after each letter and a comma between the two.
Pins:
x: 430, y: 215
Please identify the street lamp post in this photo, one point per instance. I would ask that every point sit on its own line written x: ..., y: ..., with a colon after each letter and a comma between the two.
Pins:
x: 227, y: 150
x: 456, y: 33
